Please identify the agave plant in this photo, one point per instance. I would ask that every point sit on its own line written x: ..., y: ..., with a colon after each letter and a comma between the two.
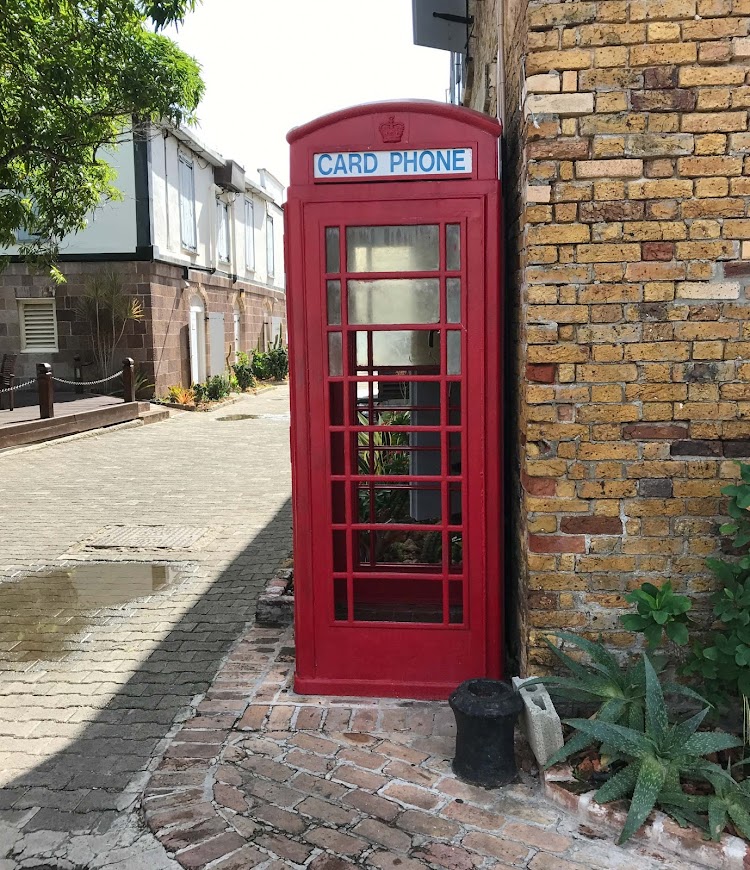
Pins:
x: 619, y: 690
x: 657, y: 756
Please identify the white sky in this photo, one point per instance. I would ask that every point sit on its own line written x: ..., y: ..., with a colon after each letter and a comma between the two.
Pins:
x: 270, y: 65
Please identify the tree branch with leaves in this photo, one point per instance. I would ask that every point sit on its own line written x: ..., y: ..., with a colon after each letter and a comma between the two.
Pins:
x: 75, y: 73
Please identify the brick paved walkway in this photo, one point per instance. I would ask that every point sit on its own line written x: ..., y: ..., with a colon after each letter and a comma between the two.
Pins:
x: 262, y: 777
x: 91, y: 682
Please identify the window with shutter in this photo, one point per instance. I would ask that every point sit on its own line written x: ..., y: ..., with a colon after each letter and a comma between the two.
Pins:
x: 270, y: 246
x: 249, y: 235
x: 187, y: 203
x: 38, y: 325
x: 222, y: 230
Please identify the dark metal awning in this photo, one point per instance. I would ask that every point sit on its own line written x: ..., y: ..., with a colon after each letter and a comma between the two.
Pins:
x: 441, y: 24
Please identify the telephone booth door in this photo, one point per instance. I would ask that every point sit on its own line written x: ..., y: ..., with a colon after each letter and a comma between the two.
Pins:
x: 398, y: 593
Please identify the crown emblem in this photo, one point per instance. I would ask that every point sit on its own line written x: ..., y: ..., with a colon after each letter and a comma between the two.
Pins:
x: 392, y: 130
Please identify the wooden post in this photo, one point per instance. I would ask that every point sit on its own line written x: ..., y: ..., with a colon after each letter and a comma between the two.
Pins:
x: 46, y: 392
x: 77, y: 374
x: 128, y: 379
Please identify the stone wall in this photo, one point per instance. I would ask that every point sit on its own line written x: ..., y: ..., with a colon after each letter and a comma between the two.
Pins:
x: 634, y: 266
x: 159, y: 343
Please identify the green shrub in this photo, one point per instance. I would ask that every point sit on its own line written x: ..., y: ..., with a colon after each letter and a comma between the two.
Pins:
x: 260, y: 366
x: 217, y: 387
x: 200, y: 392
x: 660, y: 610
x: 244, y: 374
x: 722, y: 660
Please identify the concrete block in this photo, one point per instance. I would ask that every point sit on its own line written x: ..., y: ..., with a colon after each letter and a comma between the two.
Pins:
x: 543, y: 726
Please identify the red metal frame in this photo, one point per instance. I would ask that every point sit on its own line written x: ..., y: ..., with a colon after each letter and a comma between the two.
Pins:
x: 351, y: 636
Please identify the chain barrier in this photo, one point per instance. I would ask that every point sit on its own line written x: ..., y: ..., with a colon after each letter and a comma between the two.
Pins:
x: 18, y: 386
x: 86, y: 383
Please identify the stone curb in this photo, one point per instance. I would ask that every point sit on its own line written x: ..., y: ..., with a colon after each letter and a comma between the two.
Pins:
x: 730, y: 853
x: 275, y: 607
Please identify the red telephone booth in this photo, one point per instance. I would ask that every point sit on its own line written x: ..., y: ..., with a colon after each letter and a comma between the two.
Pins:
x: 393, y: 267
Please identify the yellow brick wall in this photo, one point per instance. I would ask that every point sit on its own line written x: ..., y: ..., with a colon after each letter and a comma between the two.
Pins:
x: 632, y: 244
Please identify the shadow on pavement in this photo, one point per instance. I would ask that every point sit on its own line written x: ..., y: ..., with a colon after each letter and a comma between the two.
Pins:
x: 86, y: 786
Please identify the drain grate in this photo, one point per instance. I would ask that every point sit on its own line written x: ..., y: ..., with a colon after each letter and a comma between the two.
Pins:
x: 147, y: 537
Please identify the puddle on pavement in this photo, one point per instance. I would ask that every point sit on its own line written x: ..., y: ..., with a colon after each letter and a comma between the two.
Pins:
x: 40, y: 613
x: 233, y: 417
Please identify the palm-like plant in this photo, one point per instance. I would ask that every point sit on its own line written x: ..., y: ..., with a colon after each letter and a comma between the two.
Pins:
x: 657, y: 756
x: 106, y: 310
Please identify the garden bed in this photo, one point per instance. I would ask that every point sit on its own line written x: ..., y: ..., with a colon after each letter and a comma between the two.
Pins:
x: 729, y: 853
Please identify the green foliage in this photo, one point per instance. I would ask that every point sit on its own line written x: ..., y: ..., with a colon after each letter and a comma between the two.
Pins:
x: 660, y: 610
x: 272, y: 364
x: 260, y: 366
x: 657, y: 756
x: 106, y: 310
x: 739, y: 502
x: 278, y: 362
x: 75, y: 75
x: 217, y: 387
x: 200, y: 392
x: 243, y: 371
x: 619, y: 691
x: 180, y: 395
x: 722, y: 661
x: 731, y: 800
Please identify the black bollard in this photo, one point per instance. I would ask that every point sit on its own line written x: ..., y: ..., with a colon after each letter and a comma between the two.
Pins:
x: 486, y: 713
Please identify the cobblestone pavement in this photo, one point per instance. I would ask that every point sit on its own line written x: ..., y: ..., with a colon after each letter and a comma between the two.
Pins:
x: 262, y: 777
x: 97, y: 664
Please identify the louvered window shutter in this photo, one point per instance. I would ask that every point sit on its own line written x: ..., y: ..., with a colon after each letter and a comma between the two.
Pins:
x: 38, y: 325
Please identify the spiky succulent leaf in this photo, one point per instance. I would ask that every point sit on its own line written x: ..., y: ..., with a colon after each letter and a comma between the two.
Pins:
x: 717, y: 817
x: 651, y: 776
x: 576, y: 743
x: 656, y: 710
x: 706, y: 742
x: 687, y: 692
x: 682, y: 731
x: 620, y: 785
x: 570, y: 663
x: 741, y: 818
x: 625, y: 740
x: 596, y: 652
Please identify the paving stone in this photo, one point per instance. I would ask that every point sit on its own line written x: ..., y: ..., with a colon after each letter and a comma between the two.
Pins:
x: 338, y: 843
x: 539, y: 837
x: 326, y: 811
x: 416, y: 822
x: 450, y: 857
x: 246, y: 857
x: 373, y: 805
x: 284, y: 847
x: 211, y: 850
x: 496, y: 847
x: 389, y: 861
x: 382, y: 834
x: 282, y: 820
x: 411, y: 795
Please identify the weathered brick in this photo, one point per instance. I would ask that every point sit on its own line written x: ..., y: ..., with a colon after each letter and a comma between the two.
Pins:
x: 583, y: 525
x: 658, y: 431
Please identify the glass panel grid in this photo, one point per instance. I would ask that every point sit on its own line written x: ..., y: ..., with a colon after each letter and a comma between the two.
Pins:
x: 398, y: 543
